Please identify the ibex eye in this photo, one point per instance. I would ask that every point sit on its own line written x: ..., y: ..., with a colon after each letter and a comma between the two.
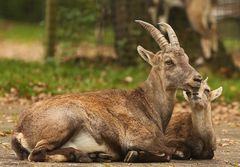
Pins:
x: 169, y: 62
x: 188, y: 94
x: 207, y: 91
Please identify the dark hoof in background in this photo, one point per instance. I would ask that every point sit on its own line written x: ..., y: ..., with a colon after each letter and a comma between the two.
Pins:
x: 145, y: 156
x: 131, y: 156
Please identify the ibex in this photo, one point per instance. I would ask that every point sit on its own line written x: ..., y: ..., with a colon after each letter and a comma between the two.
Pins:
x: 200, y: 16
x: 192, y: 133
x: 86, y: 127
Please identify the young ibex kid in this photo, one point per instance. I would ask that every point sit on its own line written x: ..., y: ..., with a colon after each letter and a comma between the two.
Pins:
x: 192, y: 133
x: 74, y: 127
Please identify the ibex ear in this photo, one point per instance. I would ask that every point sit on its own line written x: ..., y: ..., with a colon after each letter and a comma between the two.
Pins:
x: 185, y: 95
x: 215, y: 93
x: 146, y: 55
x: 206, y: 80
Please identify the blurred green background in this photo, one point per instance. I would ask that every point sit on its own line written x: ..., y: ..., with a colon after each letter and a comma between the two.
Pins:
x: 56, y: 46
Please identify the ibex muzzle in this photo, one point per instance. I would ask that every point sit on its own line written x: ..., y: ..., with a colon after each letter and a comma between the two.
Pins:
x: 97, y: 125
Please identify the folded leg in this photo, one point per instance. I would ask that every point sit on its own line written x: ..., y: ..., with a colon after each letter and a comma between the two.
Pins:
x: 146, y: 156
x: 182, y: 151
x: 67, y: 155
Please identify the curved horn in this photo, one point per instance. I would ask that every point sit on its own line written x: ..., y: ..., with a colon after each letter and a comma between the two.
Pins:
x: 171, y: 34
x: 156, y: 34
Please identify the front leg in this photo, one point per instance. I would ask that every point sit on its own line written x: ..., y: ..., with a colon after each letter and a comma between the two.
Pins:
x: 147, y: 147
x: 68, y: 154
x: 182, y: 151
x: 156, y: 151
x: 146, y: 156
x: 100, y: 157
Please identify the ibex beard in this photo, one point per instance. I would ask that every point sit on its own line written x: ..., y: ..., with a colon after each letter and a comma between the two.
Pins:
x: 107, y: 125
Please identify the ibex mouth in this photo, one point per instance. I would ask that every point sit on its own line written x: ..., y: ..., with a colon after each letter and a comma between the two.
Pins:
x: 195, y: 98
x: 192, y: 87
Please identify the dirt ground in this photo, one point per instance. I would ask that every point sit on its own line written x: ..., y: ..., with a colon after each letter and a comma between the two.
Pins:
x: 34, y: 51
x: 227, y: 125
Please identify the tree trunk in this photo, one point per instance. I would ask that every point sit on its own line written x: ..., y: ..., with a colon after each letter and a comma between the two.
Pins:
x: 127, y: 33
x: 51, y: 15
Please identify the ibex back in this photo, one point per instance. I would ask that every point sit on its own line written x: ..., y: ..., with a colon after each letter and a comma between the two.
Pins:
x: 87, y: 127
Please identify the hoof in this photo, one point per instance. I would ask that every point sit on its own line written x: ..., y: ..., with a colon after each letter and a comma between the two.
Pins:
x: 179, y: 154
x: 131, y: 156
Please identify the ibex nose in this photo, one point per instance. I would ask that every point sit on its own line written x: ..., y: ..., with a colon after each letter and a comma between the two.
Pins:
x: 197, y: 78
x: 195, y: 93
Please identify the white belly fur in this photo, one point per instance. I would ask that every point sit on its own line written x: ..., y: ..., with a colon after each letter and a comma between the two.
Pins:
x: 82, y: 141
x: 85, y: 143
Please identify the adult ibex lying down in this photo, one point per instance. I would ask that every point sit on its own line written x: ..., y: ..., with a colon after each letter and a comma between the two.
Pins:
x: 192, y: 133
x: 74, y: 127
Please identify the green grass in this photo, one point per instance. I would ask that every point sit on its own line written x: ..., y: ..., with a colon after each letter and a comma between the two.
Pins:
x: 62, y: 78
x: 86, y: 76
x: 232, y: 45
x: 21, y: 32
x: 29, y: 32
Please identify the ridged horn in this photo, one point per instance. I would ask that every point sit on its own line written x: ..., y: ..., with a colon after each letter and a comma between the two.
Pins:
x: 171, y: 34
x: 155, y: 33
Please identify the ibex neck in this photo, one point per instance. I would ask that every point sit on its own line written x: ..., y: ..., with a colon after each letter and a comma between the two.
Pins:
x: 202, y: 125
x: 160, y: 99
